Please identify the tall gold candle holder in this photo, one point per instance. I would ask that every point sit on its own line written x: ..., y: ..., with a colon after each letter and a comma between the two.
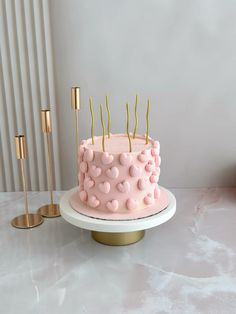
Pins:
x: 26, y: 220
x: 50, y: 210
x: 75, y: 105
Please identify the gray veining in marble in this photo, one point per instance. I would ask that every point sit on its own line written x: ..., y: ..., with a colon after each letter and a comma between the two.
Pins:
x: 187, y: 265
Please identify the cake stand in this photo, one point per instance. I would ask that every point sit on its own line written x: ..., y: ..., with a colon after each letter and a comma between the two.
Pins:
x: 115, y: 232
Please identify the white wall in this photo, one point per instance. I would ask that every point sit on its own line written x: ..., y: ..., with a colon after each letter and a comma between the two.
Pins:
x: 181, y: 53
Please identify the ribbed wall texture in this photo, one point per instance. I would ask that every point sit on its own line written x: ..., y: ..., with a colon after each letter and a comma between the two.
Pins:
x: 26, y: 86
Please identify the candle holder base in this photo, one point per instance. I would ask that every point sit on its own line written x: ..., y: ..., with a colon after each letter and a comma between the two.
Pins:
x: 27, y: 221
x: 118, y: 238
x: 49, y: 211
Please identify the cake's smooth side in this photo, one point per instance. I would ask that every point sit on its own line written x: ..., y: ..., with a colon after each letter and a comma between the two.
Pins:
x: 120, y: 181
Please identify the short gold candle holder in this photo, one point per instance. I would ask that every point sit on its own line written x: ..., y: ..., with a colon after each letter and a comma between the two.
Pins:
x: 50, y: 210
x: 75, y: 105
x: 27, y: 220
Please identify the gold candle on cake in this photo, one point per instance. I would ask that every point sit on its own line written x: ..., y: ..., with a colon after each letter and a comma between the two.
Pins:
x: 136, y: 116
x: 75, y: 104
x: 50, y: 210
x: 147, y: 120
x: 27, y: 220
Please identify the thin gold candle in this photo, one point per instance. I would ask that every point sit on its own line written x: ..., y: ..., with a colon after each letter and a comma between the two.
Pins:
x: 92, y: 118
x: 103, y: 130
x: 46, y: 121
x: 136, y: 117
x: 75, y: 98
x: 108, y: 117
x: 127, y: 127
x: 20, y: 147
x: 147, y: 120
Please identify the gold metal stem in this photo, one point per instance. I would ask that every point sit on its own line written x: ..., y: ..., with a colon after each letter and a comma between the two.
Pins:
x: 49, y: 155
x: 24, y: 185
x: 76, y: 137
x: 25, y: 190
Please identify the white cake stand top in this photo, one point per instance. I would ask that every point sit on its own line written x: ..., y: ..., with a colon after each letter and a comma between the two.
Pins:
x: 94, y: 224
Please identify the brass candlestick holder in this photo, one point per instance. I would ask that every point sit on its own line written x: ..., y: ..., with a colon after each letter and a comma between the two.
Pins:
x: 50, y: 210
x: 26, y: 220
x: 75, y: 104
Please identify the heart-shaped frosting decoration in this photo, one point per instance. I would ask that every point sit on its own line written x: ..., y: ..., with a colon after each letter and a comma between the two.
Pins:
x: 83, y: 166
x: 112, y: 172
x: 148, y: 200
x: 95, y: 171
x: 153, y: 178
x: 142, y: 183
x: 123, y: 187
x: 81, y: 153
x: 112, y: 205
x: 81, y: 150
x: 88, y: 155
x: 106, y: 158
x: 134, y: 171
x: 156, y: 144
x: 88, y: 183
x: 131, y: 204
x: 158, y: 161
x: 155, y: 152
x: 104, y: 187
x: 157, y: 192
x: 81, y: 177
x: 157, y: 171
x: 125, y: 159
x: 143, y: 156
x: 150, y: 166
x: 93, y: 201
x: 83, y: 196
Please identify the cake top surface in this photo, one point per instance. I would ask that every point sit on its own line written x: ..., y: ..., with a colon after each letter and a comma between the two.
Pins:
x: 118, y: 143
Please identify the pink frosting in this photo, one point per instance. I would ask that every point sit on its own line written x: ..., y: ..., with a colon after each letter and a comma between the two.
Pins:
x: 157, y: 192
x: 131, y: 204
x: 83, y: 196
x: 112, y: 205
x: 123, y: 187
x: 112, y: 172
x: 119, y: 181
x: 149, y: 199
x: 88, y: 155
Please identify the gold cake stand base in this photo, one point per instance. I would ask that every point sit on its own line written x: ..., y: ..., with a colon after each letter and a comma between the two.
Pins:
x: 27, y: 221
x: 118, y: 238
x: 49, y: 211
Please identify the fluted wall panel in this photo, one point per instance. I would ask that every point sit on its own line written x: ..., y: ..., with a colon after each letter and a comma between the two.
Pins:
x: 26, y: 86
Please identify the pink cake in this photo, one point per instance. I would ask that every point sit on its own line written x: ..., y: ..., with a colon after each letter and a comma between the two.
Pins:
x: 119, y: 181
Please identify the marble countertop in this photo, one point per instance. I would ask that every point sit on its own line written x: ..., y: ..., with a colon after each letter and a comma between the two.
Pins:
x: 187, y: 265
